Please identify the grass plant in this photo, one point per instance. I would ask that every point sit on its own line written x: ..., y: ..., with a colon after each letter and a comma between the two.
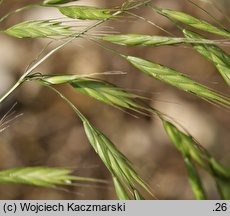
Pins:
x: 128, y: 184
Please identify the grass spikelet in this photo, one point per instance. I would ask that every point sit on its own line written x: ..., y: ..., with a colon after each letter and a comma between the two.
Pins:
x: 85, y: 12
x: 187, y: 145
x: 40, y: 176
x: 213, y: 53
x: 100, y: 90
x: 41, y: 28
x: 150, y: 40
x: 190, y: 148
x: 178, y: 80
x: 118, y: 165
x: 193, y: 22
x: 194, y: 180
x: 109, y: 94
x: 57, y: 79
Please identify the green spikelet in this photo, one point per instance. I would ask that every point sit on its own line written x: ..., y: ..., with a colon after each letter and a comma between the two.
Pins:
x: 85, y: 12
x: 214, y: 54
x: 178, y: 80
x: 40, y: 176
x: 151, y: 40
x: 193, y: 22
x: 35, y: 29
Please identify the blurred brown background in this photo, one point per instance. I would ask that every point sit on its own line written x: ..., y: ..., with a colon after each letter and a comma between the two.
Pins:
x: 49, y: 134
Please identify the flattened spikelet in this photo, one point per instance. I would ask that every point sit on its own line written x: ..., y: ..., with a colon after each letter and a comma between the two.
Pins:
x: 150, y: 40
x: 191, y: 149
x: 40, y: 176
x: 178, y: 80
x: 35, y: 29
x: 118, y: 165
x: 193, y: 22
x: 85, y: 12
x: 108, y: 93
x: 214, y: 54
x: 60, y: 79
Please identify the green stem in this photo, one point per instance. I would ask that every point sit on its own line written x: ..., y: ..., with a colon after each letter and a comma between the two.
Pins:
x: 150, y: 22
x: 17, y: 84
x: 65, y: 99
x: 18, y: 10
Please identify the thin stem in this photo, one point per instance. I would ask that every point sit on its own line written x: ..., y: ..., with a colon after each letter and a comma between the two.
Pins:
x: 18, y: 10
x: 66, y: 100
x: 136, y: 5
x: 16, y: 85
x: 150, y: 22
x: 209, y: 14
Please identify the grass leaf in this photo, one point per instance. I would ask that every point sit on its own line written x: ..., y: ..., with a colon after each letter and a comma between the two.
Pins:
x: 85, y: 12
x: 38, y: 28
x: 213, y: 53
x: 178, y: 80
x: 150, y: 40
x: 193, y: 22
